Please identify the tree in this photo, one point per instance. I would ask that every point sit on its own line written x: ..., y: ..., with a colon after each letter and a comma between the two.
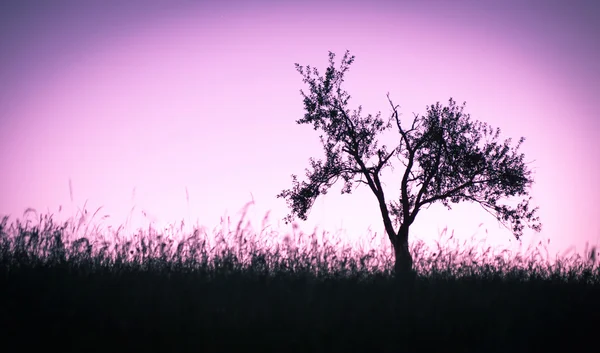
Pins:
x: 447, y: 158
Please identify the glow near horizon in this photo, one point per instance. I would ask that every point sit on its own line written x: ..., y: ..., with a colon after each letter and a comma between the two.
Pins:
x: 205, y: 97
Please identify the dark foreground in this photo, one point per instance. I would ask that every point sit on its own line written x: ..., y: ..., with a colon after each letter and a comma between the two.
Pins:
x: 85, y: 303
x: 134, y: 310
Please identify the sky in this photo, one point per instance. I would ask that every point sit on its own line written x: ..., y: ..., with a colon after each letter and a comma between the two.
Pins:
x: 163, y: 111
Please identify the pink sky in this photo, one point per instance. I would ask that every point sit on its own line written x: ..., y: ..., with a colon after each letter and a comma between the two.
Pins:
x: 159, y: 96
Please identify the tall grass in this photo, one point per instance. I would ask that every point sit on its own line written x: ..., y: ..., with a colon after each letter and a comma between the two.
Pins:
x: 236, y: 290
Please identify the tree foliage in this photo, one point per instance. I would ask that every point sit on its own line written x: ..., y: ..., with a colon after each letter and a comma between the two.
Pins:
x: 447, y: 157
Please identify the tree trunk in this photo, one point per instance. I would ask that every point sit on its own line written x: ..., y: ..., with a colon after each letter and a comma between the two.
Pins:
x: 403, y: 266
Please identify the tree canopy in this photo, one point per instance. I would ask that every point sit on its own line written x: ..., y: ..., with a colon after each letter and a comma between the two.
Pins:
x: 447, y: 158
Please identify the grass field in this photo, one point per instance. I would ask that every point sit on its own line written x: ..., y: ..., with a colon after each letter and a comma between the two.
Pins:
x: 244, y: 291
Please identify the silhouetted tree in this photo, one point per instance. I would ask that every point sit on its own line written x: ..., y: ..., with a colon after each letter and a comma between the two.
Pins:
x: 446, y: 156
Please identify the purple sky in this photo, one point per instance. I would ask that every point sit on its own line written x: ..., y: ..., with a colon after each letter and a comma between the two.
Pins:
x: 159, y: 96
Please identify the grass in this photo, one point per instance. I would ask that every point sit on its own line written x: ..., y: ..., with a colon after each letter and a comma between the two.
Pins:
x: 262, y: 291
